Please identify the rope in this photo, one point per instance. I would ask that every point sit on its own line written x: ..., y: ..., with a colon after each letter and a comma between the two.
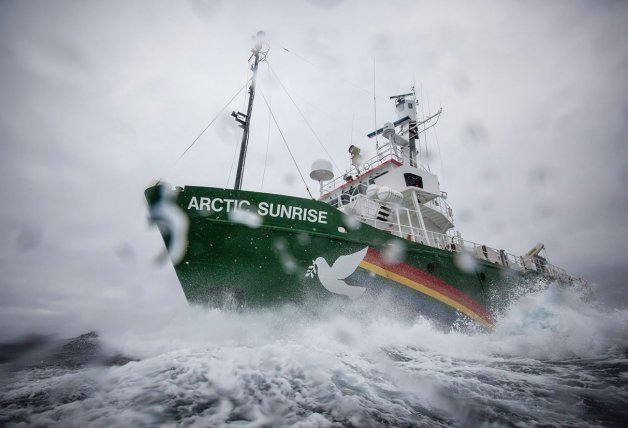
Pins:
x: 210, y: 124
x: 286, y: 144
x: 303, y: 116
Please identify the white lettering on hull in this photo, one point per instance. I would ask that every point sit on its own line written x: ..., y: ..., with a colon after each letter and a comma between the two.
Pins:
x: 263, y: 209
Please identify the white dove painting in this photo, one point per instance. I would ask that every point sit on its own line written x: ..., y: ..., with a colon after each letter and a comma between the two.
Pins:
x: 332, y: 277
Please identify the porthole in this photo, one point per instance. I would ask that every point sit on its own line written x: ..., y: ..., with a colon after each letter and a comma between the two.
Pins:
x: 430, y: 267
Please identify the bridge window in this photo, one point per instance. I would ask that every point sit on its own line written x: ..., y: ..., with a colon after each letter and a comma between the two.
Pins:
x: 413, y: 180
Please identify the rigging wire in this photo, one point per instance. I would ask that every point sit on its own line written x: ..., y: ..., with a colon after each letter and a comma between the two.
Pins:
x: 267, y: 145
x: 427, y: 154
x: 208, y: 125
x: 302, y: 115
x: 440, y: 157
x: 286, y: 144
x: 247, y: 80
x: 235, y: 152
x: 322, y: 69
x: 442, y: 169
x: 352, y: 121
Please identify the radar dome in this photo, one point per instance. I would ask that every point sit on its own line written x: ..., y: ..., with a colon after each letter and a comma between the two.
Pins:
x: 322, y: 170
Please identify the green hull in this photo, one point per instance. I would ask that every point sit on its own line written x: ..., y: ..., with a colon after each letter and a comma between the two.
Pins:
x: 264, y: 254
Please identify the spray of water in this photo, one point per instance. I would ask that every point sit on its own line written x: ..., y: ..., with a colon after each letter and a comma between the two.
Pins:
x: 544, y: 363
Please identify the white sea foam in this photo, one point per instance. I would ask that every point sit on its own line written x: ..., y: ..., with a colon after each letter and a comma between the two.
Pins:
x: 290, y: 367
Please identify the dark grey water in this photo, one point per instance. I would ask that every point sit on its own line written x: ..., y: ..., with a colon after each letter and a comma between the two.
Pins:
x: 553, y: 360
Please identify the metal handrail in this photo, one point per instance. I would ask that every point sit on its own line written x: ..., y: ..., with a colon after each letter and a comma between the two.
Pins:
x: 382, y: 156
x: 441, y: 206
x: 453, y: 243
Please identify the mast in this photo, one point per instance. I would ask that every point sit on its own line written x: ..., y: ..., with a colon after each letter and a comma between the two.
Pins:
x: 245, y: 119
x: 413, y: 132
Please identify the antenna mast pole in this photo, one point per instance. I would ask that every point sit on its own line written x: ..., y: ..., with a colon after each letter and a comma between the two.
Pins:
x: 245, y: 119
x: 413, y: 133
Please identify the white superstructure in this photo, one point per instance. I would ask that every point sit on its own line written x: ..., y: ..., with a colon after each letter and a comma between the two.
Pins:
x: 395, y: 192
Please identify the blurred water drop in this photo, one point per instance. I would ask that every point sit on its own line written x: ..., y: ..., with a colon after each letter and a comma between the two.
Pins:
x: 351, y: 220
x: 246, y: 217
x: 303, y: 238
x: 394, y: 252
x: 465, y: 216
x: 476, y: 133
x: 288, y: 263
x: 490, y: 175
x: 171, y: 220
x: 280, y: 245
x: 286, y: 259
x: 125, y: 252
x: 543, y: 209
x: 289, y: 179
x: 499, y: 226
x: 539, y: 177
x: 461, y: 83
x: 227, y: 129
x: 28, y: 238
x: 465, y: 261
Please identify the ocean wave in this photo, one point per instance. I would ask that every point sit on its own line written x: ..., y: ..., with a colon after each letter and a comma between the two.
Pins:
x: 555, y: 357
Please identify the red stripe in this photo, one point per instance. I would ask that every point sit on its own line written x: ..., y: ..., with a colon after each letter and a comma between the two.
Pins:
x: 436, y: 284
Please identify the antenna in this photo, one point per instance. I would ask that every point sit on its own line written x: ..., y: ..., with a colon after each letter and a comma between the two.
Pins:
x: 375, y: 109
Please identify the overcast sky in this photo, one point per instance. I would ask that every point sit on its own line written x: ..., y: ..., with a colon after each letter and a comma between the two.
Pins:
x: 99, y: 99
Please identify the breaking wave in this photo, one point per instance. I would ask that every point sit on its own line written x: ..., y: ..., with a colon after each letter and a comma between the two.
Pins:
x: 554, y: 358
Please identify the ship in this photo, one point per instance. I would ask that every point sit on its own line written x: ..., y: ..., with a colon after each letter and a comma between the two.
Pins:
x: 383, y: 231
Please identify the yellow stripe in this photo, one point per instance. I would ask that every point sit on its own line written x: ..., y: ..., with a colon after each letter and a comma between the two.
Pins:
x: 425, y: 290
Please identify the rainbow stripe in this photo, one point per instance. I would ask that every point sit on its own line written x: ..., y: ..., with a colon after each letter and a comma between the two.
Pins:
x: 427, y: 284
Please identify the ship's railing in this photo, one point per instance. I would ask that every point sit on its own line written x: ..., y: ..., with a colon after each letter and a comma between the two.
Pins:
x: 384, y: 155
x: 349, y: 196
x: 441, y: 206
x: 369, y: 211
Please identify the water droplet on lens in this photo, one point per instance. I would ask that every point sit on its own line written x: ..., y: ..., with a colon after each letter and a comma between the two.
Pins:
x: 394, y: 252
x: 351, y: 220
x: 303, y: 238
x: 465, y: 261
x: 245, y: 217
x: 289, y: 179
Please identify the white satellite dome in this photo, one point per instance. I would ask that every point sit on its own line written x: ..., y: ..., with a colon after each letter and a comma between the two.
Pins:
x: 322, y: 170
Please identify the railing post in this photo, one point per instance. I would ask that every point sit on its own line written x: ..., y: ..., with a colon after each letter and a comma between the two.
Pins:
x: 417, y: 208
x: 410, y: 223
